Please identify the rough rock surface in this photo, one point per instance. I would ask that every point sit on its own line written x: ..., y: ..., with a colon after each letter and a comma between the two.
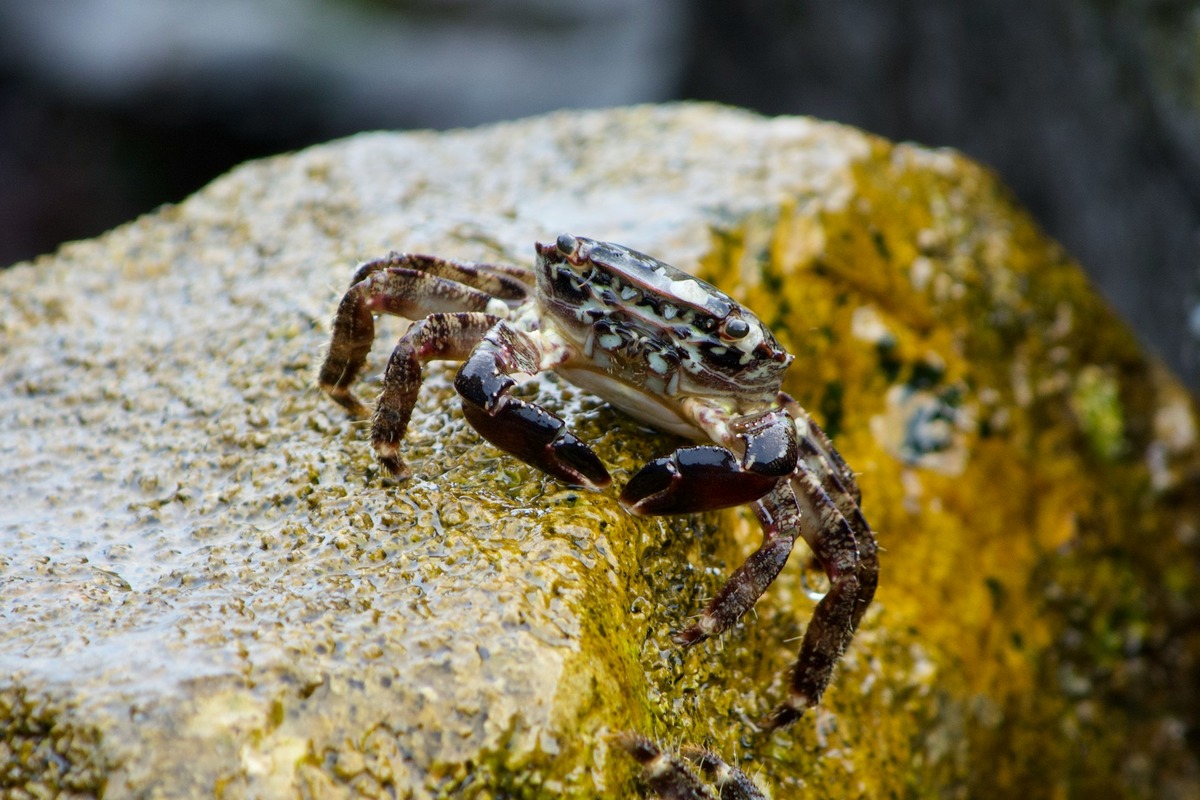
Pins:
x: 207, y: 588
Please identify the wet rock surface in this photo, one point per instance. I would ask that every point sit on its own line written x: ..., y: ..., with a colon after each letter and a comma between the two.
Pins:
x: 210, y: 589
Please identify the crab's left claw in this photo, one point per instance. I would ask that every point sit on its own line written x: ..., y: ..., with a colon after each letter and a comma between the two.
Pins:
x: 708, y: 477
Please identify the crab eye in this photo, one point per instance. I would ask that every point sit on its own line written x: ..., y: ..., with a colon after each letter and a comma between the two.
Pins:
x: 566, y: 244
x: 735, y: 328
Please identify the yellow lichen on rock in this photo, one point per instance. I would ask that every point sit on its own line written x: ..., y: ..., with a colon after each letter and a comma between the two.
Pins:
x: 1032, y: 600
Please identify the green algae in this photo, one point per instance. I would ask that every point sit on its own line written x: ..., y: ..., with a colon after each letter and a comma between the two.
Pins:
x: 1096, y: 399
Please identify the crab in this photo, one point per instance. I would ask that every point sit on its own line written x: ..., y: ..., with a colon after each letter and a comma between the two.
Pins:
x: 666, y: 348
x: 675, y: 778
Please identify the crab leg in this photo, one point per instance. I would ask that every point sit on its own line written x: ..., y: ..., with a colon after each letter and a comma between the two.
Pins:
x: 498, y: 280
x: 818, y: 501
x: 732, y: 783
x: 779, y: 515
x: 665, y: 775
x: 407, y: 286
x: 522, y: 429
x: 819, y: 444
x: 836, y: 547
x: 838, y: 483
x: 683, y: 483
x: 674, y: 779
x: 438, y: 336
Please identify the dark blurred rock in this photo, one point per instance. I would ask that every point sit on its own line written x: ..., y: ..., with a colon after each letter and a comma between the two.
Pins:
x: 111, y: 107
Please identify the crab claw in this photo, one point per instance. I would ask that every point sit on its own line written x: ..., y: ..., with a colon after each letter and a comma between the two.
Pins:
x: 540, y: 439
x: 702, y: 478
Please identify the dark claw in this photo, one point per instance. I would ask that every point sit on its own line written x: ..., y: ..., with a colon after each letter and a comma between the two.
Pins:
x: 540, y: 439
x: 574, y: 455
x: 693, y: 479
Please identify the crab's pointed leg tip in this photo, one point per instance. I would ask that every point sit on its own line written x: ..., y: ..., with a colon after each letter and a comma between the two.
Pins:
x: 775, y: 721
x: 693, y: 634
x: 785, y: 715
x: 396, y: 470
x: 642, y: 749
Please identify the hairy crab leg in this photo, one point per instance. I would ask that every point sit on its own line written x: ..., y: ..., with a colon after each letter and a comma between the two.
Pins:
x: 673, y: 778
x: 525, y: 430
x: 818, y: 501
x: 439, y: 336
x: 381, y: 287
x: 780, y: 519
x: 731, y: 782
x: 831, y: 459
x: 836, y: 547
x: 839, y: 484
x: 497, y: 280
x: 683, y: 483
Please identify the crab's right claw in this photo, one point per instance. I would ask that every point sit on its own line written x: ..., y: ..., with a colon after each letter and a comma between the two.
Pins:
x: 540, y: 439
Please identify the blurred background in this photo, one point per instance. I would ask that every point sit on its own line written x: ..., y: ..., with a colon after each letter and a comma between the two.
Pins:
x: 1089, y: 110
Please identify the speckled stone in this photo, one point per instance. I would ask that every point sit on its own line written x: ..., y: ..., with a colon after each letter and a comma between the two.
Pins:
x: 208, y: 589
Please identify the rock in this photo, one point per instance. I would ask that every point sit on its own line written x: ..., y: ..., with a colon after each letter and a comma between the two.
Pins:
x: 209, y: 589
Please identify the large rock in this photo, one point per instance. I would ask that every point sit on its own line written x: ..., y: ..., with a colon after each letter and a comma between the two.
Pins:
x: 209, y: 589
